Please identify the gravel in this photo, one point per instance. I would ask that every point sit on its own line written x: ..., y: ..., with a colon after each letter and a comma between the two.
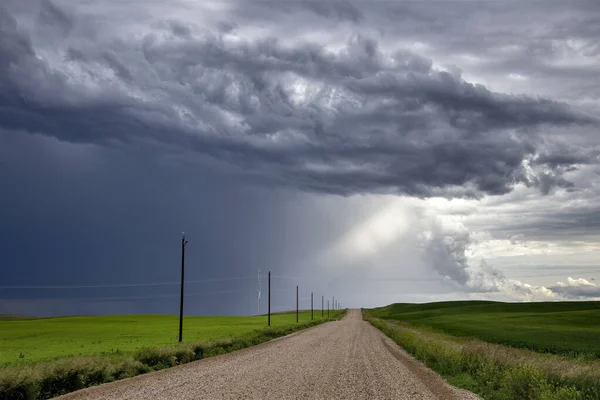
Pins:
x: 347, y: 359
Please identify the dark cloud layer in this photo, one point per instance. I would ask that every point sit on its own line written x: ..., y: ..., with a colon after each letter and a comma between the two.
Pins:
x: 121, y: 127
x: 374, y: 121
x: 82, y: 215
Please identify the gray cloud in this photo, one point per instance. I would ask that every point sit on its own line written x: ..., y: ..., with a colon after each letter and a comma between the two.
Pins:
x: 517, y: 238
x: 445, y: 246
x: 340, y: 10
x: 576, y: 289
x: 52, y: 21
x: 371, y: 122
x: 445, y: 250
x: 541, y: 41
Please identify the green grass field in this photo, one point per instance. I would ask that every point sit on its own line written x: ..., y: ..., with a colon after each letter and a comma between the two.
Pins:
x: 26, y: 341
x: 569, y: 328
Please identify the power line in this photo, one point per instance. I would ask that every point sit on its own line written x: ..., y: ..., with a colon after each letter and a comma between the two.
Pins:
x: 288, y: 277
x: 220, y: 279
x: 159, y: 296
x: 89, y: 286
x: 123, y: 284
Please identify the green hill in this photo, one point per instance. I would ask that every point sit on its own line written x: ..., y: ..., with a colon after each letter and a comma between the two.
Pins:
x: 571, y: 328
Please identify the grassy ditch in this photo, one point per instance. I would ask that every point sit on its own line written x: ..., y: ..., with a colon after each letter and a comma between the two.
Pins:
x: 496, y: 372
x: 48, y: 379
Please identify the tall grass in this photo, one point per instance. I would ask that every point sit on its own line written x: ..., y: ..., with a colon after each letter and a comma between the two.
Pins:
x: 51, y: 379
x: 497, y: 372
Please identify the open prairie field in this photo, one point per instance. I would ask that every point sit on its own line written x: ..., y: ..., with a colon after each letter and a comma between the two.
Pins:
x: 503, y: 350
x: 568, y: 328
x: 25, y: 341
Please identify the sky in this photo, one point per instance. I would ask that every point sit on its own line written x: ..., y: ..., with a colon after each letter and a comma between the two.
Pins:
x: 378, y: 152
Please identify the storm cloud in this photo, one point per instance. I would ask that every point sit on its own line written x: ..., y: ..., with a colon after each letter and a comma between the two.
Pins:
x: 355, y: 120
x: 384, y: 151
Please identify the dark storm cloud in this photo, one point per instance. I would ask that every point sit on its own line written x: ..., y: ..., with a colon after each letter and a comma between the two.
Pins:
x: 375, y: 121
x: 86, y: 215
x: 342, y: 10
x: 120, y: 127
x: 339, y: 10
x: 562, y: 217
x: 486, y: 27
x: 565, y: 159
x: 547, y: 225
x: 53, y: 19
x: 551, y: 45
x: 336, y: 10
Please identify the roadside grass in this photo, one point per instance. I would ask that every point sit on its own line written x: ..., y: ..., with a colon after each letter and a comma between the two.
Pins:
x: 567, y: 328
x: 494, y: 371
x: 49, y: 378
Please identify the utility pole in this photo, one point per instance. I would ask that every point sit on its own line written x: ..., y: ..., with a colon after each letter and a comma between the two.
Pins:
x: 269, y: 318
x: 328, y: 308
x: 296, y: 304
x: 259, y: 292
x: 332, y: 303
x: 322, y: 306
x: 183, y: 243
x: 312, y: 314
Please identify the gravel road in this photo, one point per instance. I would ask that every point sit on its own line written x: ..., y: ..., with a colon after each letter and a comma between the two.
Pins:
x: 347, y: 359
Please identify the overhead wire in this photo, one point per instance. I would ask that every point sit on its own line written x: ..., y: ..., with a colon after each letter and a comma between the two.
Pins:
x: 159, y: 296
x: 121, y: 284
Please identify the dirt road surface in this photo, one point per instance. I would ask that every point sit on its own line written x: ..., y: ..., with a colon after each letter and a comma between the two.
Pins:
x: 347, y: 359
